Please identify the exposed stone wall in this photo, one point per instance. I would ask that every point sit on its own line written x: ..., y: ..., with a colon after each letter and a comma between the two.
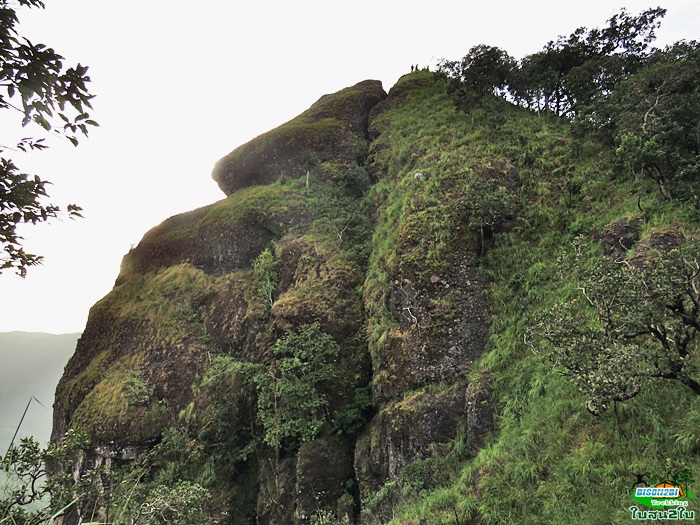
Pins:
x: 187, y: 293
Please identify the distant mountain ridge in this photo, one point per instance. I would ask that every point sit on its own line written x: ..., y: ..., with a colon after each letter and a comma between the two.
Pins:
x: 32, y: 364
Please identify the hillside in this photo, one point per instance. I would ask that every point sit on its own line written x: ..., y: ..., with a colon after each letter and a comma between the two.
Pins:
x: 394, y: 316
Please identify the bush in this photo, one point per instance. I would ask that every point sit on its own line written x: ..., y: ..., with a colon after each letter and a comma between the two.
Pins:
x: 182, y: 504
x: 136, y: 390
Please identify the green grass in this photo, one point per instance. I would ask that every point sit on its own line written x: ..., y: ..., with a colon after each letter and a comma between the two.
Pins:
x: 548, y: 460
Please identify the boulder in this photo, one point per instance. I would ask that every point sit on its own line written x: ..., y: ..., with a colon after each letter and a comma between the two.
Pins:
x: 334, y: 130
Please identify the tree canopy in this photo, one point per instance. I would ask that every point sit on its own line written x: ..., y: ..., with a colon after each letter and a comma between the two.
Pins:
x: 609, y: 81
x: 34, y: 84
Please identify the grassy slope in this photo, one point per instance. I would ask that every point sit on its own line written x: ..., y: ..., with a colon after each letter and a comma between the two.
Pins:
x: 549, y: 459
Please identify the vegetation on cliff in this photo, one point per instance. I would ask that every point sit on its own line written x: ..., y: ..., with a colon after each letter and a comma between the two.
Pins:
x: 488, y: 316
x: 601, y: 248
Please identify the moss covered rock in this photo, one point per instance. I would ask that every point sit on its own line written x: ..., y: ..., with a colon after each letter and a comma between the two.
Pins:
x: 183, y: 346
x: 222, y: 237
x: 406, y: 430
x: 325, y: 477
x: 333, y: 129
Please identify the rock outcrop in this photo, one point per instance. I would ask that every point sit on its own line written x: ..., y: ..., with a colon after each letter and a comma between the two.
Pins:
x: 334, y: 130
x: 184, y: 343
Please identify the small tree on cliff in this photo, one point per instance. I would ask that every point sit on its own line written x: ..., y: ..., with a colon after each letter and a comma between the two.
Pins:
x: 486, y: 205
x: 292, y: 403
x: 291, y: 399
x: 626, y: 325
x: 309, y: 160
x: 35, y: 85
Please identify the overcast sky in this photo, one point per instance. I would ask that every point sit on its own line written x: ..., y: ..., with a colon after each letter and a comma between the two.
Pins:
x: 180, y: 84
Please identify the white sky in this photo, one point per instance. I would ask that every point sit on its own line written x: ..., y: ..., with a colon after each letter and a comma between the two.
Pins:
x: 180, y: 84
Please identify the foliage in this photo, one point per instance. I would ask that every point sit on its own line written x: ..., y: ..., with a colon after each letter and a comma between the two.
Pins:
x: 29, y: 485
x: 156, y: 488
x: 226, y: 395
x: 265, y: 268
x: 338, y: 214
x: 487, y: 205
x: 181, y: 504
x: 354, y: 417
x: 606, y: 80
x: 572, y: 74
x: 136, y: 390
x: 483, y: 70
x: 50, y: 96
x: 657, y: 112
x: 325, y: 517
x: 340, y: 210
x: 568, y: 77
x: 629, y: 323
x: 355, y: 182
x: 309, y: 160
x: 292, y: 401
x: 432, y: 474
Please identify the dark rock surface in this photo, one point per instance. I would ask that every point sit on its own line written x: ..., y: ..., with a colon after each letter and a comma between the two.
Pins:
x: 653, y: 244
x: 404, y: 431
x: 620, y: 236
x: 190, y: 294
x: 333, y: 129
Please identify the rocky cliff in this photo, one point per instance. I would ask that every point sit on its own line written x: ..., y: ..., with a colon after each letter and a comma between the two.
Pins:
x: 357, y: 224
x: 350, y: 336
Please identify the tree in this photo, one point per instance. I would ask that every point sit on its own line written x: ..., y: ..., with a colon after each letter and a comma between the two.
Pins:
x: 291, y: 391
x: 309, y: 160
x: 487, y: 205
x: 627, y: 323
x: 484, y: 70
x: 292, y: 401
x: 568, y: 77
x: 572, y: 74
x: 28, y: 482
x: 534, y: 82
x: 657, y: 121
x: 35, y: 84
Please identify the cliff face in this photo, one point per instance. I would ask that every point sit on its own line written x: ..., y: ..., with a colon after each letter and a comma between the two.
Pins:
x: 335, y: 225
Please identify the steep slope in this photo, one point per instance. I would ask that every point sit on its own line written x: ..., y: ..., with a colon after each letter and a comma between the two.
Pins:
x: 213, y: 291
x: 344, y: 336
x: 528, y: 450
x: 426, y: 304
